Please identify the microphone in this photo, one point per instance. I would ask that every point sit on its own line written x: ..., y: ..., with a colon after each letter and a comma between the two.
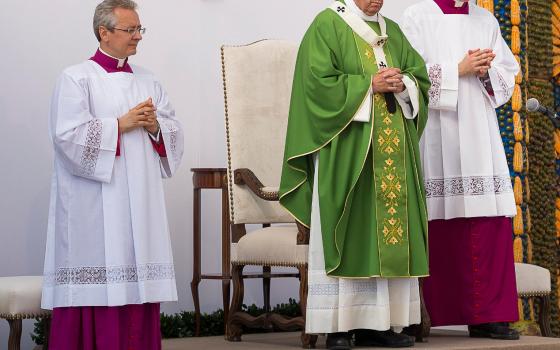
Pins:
x: 533, y: 105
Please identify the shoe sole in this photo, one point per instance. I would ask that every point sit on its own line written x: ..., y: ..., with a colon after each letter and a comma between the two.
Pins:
x: 339, y: 348
x: 494, y: 336
x: 373, y: 344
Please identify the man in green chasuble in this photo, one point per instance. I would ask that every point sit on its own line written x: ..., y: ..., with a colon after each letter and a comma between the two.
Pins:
x: 352, y: 174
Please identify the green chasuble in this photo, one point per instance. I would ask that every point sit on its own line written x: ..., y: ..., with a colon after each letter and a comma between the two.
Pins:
x: 371, y: 195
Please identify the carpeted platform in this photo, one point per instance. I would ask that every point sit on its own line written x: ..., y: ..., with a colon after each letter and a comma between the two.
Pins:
x: 441, y: 339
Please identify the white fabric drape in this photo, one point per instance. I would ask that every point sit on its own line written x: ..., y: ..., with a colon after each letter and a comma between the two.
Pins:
x: 343, y: 304
x: 108, y: 240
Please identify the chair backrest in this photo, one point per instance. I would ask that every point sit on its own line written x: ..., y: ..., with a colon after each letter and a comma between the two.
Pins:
x: 257, y: 86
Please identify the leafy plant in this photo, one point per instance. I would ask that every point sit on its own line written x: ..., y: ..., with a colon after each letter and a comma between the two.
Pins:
x: 182, y: 324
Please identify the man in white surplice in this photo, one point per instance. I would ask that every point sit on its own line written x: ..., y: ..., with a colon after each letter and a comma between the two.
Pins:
x: 468, y: 188
x: 115, y: 136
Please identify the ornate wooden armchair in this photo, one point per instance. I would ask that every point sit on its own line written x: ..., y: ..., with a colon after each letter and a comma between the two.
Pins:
x: 257, y: 86
x: 534, y: 282
x: 20, y: 298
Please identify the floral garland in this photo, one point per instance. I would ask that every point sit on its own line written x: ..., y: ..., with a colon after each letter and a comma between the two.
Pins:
x: 556, y: 82
x: 543, y: 176
x: 530, y: 156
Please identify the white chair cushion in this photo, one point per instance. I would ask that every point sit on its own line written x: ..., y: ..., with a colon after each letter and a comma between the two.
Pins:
x: 274, y: 246
x: 532, y: 279
x: 20, y: 297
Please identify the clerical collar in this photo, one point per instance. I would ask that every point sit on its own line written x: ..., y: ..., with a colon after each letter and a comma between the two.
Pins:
x: 111, y: 64
x: 354, y: 8
x: 453, y: 7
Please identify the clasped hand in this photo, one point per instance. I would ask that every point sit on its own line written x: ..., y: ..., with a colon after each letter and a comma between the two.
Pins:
x: 476, y: 62
x: 141, y: 116
x: 388, y: 80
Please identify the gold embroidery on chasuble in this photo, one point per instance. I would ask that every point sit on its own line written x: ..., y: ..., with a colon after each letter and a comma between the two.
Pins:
x: 389, y: 162
x: 392, y: 184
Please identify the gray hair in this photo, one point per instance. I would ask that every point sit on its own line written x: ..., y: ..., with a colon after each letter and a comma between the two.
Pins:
x: 104, y: 14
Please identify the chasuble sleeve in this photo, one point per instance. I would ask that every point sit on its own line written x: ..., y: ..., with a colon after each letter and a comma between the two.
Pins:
x: 499, y: 85
x: 444, y: 76
x: 327, y: 93
x: 171, y: 132
x: 331, y: 93
x: 85, y: 144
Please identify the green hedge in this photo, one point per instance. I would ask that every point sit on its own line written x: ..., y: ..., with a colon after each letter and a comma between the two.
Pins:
x: 181, y: 325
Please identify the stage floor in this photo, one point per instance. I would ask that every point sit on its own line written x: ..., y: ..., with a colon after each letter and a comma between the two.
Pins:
x: 440, y: 339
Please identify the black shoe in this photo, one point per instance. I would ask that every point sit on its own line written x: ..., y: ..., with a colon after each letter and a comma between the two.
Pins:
x: 495, y: 330
x: 386, y: 339
x: 417, y: 332
x: 338, y: 341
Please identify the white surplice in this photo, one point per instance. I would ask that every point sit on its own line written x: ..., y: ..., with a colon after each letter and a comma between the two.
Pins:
x: 108, y: 240
x: 465, y: 167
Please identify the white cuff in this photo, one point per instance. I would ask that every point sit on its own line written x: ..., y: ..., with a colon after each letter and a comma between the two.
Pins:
x: 503, y: 87
x: 408, y: 99
x: 444, y: 91
x: 364, y: 113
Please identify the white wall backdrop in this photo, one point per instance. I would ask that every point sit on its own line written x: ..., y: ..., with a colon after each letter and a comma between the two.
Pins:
x: 38, y: 38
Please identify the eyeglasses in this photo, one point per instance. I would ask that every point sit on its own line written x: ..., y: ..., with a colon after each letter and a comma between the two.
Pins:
x: 133, y: 31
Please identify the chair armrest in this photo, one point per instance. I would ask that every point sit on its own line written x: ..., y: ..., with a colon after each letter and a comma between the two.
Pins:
x: 245, y: 176
x: 303, y: 234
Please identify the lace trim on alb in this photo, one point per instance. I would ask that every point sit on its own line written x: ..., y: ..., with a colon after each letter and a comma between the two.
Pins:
x: 173, y: 131
x: 356, y: 287
x: 435, y: 75
x: 506, y: 90
x: 468, y: 186
x: 90, y: 154
x: 110, y: 275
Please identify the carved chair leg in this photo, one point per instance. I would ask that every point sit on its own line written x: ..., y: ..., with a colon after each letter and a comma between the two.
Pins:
x: 225, y: 300
x: 308, y: 341
x: 544, y: 316
x: 47, y: 329
x: 14, y: 339
x: 234, y: 329
x: 196, y: 300
x: 266, y: 288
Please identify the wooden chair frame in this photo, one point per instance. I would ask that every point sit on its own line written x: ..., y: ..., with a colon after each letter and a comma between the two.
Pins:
x: 544, y: 311
x: 16, y: 325
x: 237, y: 318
